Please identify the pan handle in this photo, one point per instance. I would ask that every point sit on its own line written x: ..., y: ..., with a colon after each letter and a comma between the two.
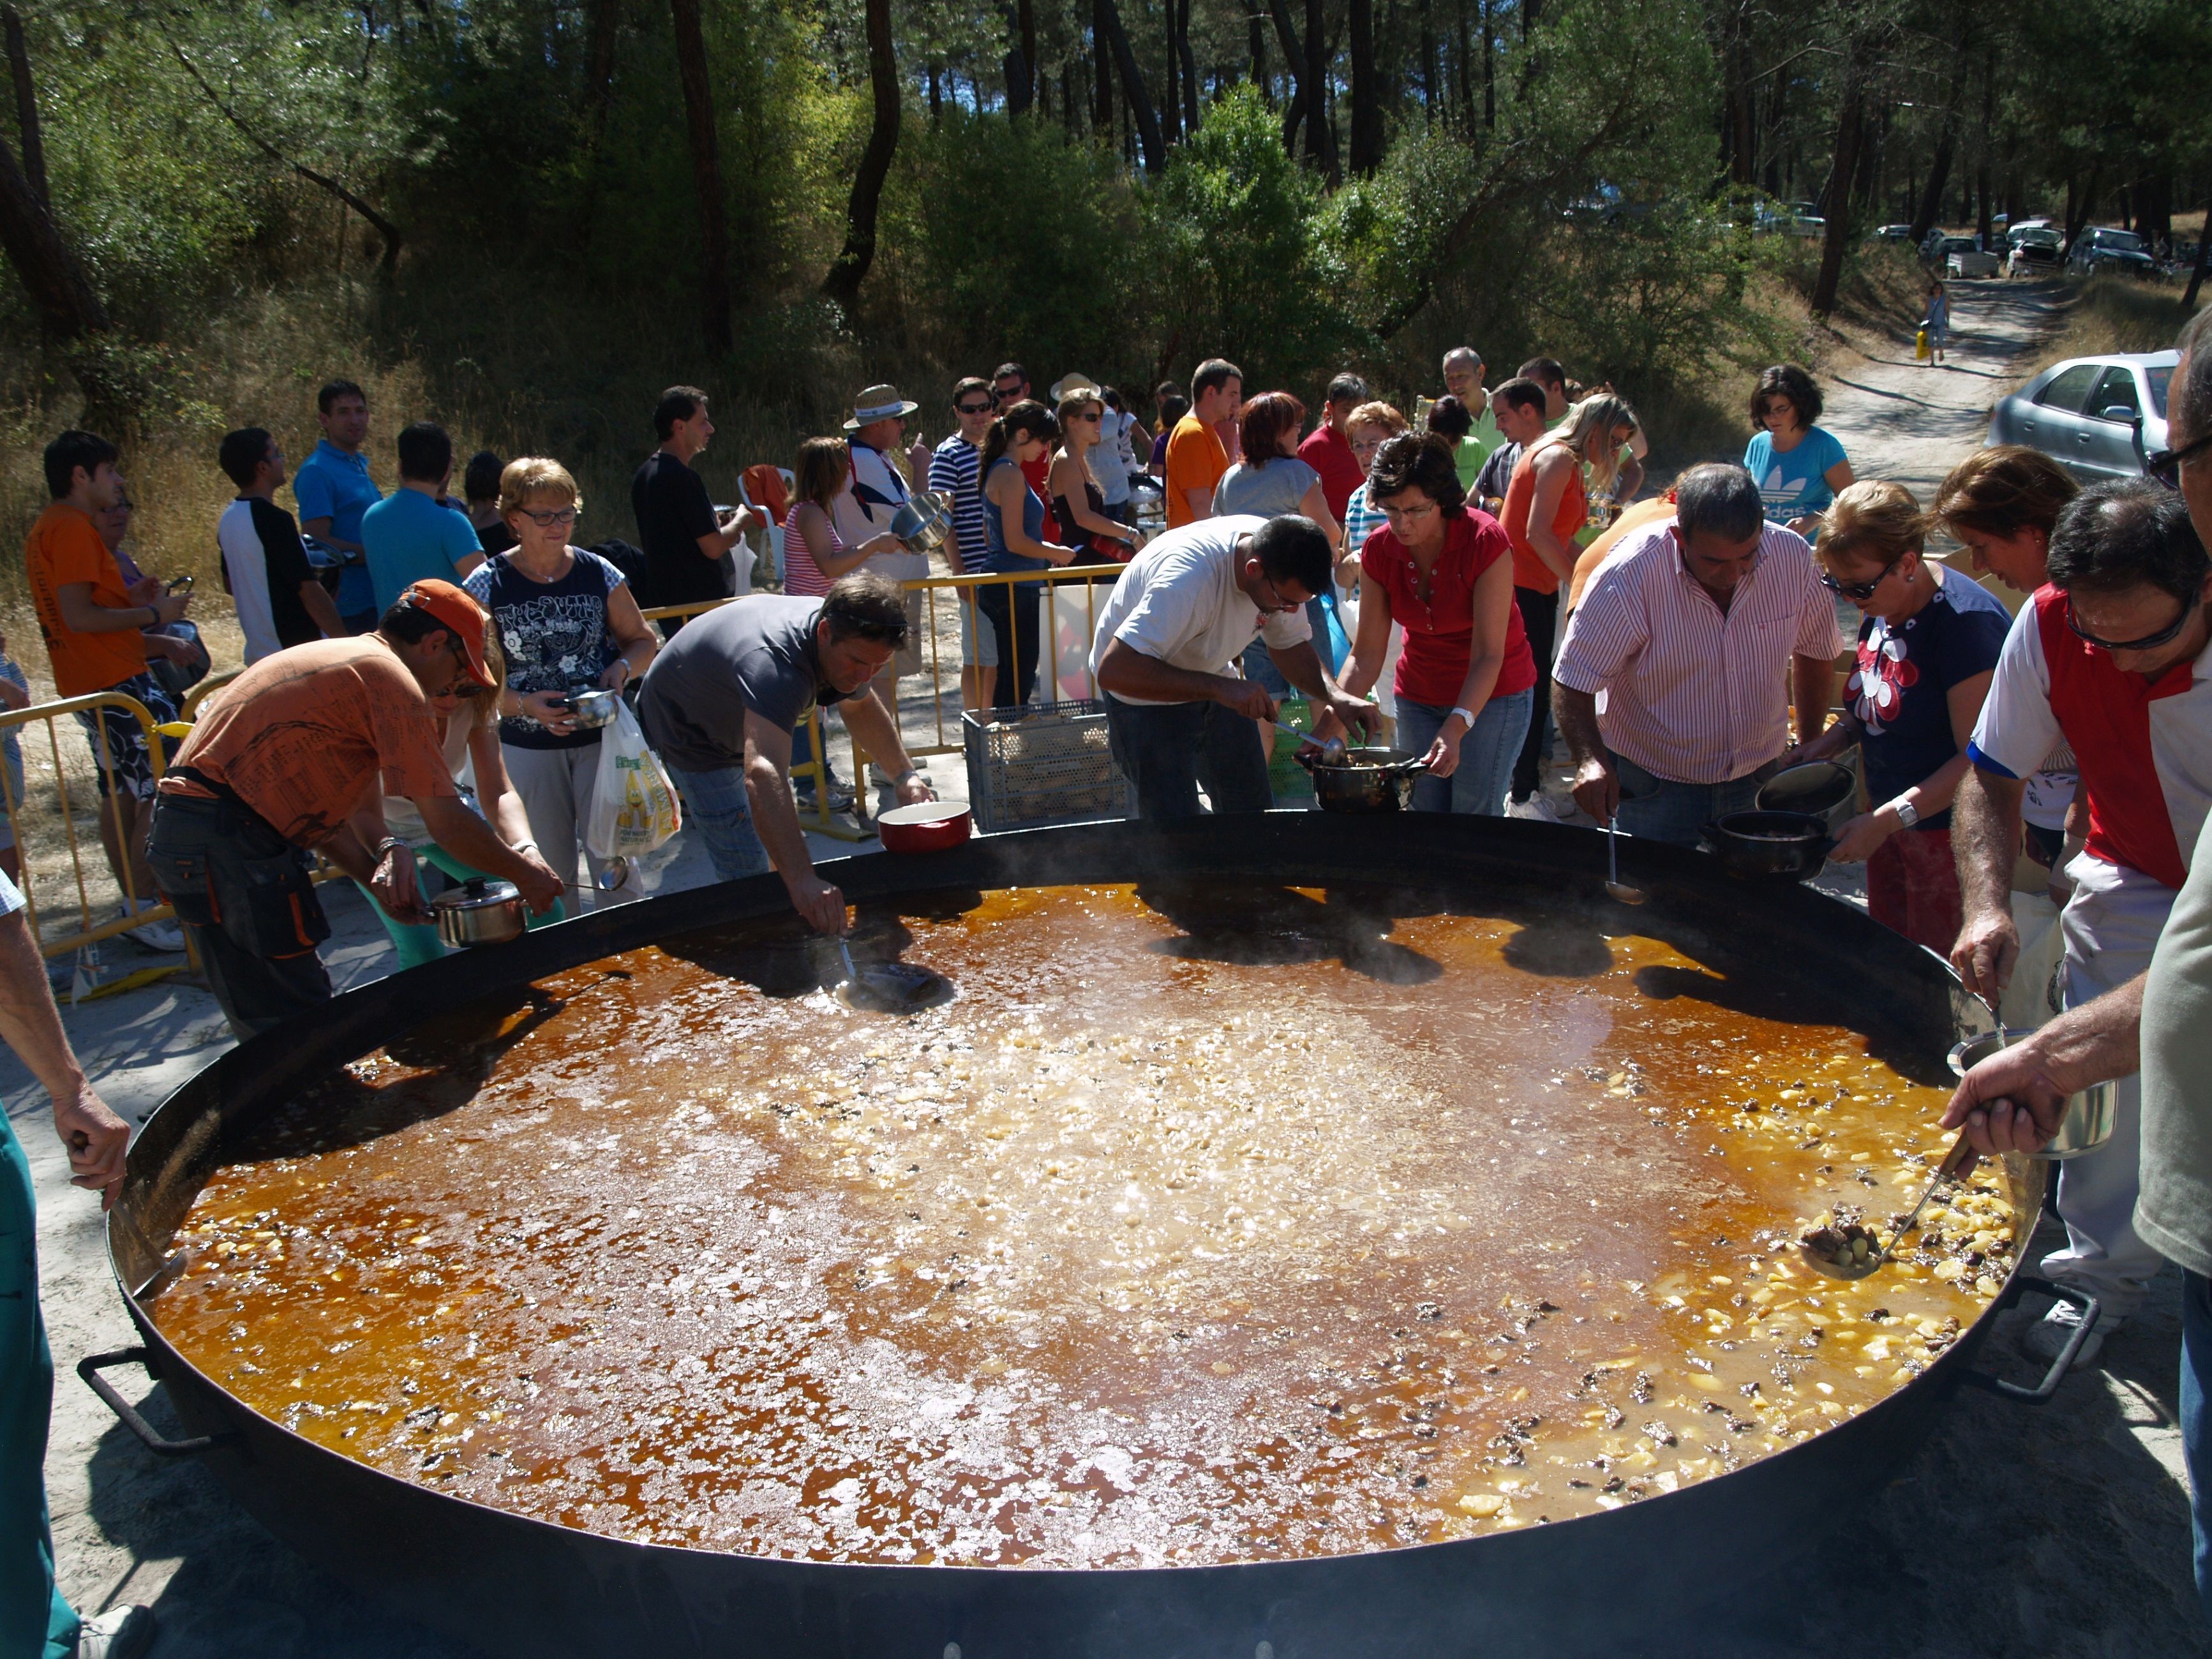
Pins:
x: 2041, y: 1393
x: 89, y: 1369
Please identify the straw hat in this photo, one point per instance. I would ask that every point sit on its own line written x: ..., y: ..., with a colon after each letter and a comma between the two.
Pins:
x: 878, y: 402
x: 1068, y: 384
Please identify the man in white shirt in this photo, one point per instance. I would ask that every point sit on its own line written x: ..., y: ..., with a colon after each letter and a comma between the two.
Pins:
x: 281, y: 601
x: 1180, y: 615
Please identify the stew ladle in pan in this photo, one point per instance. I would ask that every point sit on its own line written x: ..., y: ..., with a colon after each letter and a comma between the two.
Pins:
x: 1850, y: 1251
x: 1615, y: 887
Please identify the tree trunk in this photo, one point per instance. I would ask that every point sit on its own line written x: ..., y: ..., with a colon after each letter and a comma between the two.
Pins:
x: 1190, y: 111
x: 1108, y: 15
x: 27, y: 108
x: 2203, y: 257
x: 1489, y: 68
x: 2078, y: 212
x: 1316, y: 87
x: 1939, y: 175
x: 1025, y: 33
x: 1849, y: 123
x: 1258, y: 50
x: 1102, y: 66
x: 706, y: 176
x: 936, y: 95
x: 843, y: 282
x: 1366, y: 102
x: 1428, y: 64
x: 1463, y: 63
x: 1286, y: 36
x: 1171, y: 88
x: 51, y: 275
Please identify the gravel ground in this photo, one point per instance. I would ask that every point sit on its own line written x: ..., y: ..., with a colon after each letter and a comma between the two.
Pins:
x: 2061, y: 1531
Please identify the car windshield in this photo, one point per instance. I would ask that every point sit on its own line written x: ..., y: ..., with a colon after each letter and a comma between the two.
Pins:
x: 2126, y: 241
x: 2158, y: 377
x: 2037, y: 238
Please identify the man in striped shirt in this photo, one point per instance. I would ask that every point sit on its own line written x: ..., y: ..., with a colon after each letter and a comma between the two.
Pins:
x: 952, y: 471
x: 1697, y: 633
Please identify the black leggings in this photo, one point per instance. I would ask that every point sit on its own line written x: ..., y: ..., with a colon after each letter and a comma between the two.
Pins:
x: 1019, y: 649
x: 1540, y: 617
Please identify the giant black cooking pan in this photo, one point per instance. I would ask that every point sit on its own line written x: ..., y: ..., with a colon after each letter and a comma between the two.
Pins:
x: 529, y: 1588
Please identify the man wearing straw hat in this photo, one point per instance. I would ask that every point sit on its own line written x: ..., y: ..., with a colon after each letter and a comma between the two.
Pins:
x: 872, y: 495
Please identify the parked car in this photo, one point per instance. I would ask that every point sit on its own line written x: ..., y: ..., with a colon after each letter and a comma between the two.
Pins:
x: 2101, y: 248
x: 1893, y: 234
x: 2037, y: 245
x: 1939, y: 247
x: 1788, y: 219
x: 1968, y: 262
x: 2096, y: 417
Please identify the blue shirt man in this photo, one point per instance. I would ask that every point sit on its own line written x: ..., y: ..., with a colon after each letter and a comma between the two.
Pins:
x: 333, y: 489
x: 413, y: 536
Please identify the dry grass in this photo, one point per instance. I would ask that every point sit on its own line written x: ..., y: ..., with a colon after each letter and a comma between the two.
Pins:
x: 2115, y: 313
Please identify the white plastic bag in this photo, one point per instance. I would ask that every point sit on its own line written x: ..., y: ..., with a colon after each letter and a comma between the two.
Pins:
x: 634, y: 805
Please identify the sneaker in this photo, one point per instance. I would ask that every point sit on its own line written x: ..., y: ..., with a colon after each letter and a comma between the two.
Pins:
x: 119, y: 1633
x: 1537, y: 809
x: 164, y: 936
x: 2051, y: 1332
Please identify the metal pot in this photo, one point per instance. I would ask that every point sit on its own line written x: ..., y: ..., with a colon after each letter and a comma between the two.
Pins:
x: 924, y: 521
x: 483, y: 911
x: 592, y: 706
x: 2090, y: 1115
x: 455, y: 1563
x: 1817, y: 788
x: 929, y: 826
x: 1367, y: 780
x: 1757, y: 845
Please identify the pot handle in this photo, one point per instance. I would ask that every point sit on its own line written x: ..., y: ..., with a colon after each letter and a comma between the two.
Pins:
x: 89, y: 1369
x: 2041, y: 1393
x: 1710, y: 832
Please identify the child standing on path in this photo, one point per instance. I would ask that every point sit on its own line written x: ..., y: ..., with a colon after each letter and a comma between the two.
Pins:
x: 1939, y: 317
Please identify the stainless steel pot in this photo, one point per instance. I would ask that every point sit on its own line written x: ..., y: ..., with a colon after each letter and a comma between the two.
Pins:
x: 924, y: 521
x: 2090, y: 1115
x: 483, y: 911
x: 592, y: 706
x: 1367, y: 780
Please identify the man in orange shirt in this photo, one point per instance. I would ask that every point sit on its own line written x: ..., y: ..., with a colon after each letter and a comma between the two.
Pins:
x: 92, y: 619
x: 284, y: 762
x: 1196, y: 455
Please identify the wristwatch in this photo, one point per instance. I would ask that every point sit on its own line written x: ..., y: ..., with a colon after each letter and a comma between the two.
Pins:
x: 1467, y: 714
x: 1907, y: 813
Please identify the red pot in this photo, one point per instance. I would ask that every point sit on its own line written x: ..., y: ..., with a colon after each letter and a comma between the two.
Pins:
x: 929, y: 826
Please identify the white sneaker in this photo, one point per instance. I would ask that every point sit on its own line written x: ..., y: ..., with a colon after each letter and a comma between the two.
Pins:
x: 2052, y: 1332
x: 1537, y: 809
x: 119, y: 1633
x: 158, y: 935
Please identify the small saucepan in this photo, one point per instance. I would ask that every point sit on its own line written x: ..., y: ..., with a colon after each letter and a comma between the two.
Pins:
x: 1366, y: 780
x: 1791, y: 846
x: 2090, y: 1117
x: 592, y: 706
x: 481, y: 911
x: 922, y: 521
x: 929, y: 826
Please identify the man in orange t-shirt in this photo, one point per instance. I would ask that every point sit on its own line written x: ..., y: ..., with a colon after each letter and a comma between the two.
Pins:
x: 284, y: 760
x: 92, y: 619
x: 1197, y: 456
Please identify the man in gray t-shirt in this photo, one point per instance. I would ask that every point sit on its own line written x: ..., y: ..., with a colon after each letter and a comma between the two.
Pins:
x: 722, y: 699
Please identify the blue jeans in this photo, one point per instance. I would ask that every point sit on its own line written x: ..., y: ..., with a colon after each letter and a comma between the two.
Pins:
x: 2196, y: 1428
x: 1168, y: 749
x: 1660, y: 809
x: 34, y: 1617
x: 1486, y: 754
x: 715, y: 804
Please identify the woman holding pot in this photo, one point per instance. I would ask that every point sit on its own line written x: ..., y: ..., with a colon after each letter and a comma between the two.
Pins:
x: 1465, y: 679
x: 1927, y: 652
x: 567, y: 622
x: 473, y: 756
x: 1013, y: 537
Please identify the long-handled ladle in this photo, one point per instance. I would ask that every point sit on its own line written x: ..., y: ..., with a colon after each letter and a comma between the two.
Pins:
x: 1850, y: 1252
x: 1615, y: 887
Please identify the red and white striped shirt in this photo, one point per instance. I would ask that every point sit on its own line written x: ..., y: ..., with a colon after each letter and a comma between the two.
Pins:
x: 1685, y: 691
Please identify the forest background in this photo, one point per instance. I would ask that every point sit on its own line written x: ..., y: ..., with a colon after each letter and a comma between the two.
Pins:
x: 524, y: 217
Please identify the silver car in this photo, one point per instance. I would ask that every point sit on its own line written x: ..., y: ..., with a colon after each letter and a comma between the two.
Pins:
x: 2096, y: 417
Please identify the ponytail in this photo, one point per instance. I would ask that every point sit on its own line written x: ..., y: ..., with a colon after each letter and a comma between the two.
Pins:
x: 1028, y: 418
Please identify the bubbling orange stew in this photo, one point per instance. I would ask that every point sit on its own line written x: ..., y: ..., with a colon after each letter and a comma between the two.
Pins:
x: 1213, y: 1225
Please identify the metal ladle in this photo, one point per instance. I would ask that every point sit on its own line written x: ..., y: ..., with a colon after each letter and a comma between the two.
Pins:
x: 1851, y: 1265
x: 615, y: 876
x: 1615, y: 887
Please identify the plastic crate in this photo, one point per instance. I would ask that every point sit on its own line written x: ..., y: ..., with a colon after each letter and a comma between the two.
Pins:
x: 1052, y: 765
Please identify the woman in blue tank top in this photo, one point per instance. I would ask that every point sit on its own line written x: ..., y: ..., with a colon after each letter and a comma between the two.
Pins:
x: 1013, y: 539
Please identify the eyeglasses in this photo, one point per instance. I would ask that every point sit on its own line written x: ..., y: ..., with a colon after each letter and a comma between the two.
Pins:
x: 465, y: 683
x: 1281, y: 604
x: 974, y: 409
x: 1860, y: 593
x: 1002, y: 394
x: 2165, y: 464
x: 1092, y: 415
x: 547, y: 520
x: 2147, y: 642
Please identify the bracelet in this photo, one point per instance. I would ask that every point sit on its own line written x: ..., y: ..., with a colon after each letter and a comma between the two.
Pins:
x: 384, y: 847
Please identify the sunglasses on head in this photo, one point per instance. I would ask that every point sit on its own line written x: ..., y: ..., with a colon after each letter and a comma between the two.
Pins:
x: 2149, y: 642
x: 1860, y: 593
x: 2165, y: 464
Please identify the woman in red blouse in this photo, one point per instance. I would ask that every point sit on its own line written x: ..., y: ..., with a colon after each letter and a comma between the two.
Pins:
x: 1444, y: 572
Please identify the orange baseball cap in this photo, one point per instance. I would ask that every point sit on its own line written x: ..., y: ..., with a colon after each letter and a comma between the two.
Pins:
x: 463, y: 616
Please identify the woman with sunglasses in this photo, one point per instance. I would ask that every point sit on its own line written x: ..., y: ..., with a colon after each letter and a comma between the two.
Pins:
x: 567, y: 622
x: 1078, y: 502
x: 1014, y: 529
x: 1928, y: 649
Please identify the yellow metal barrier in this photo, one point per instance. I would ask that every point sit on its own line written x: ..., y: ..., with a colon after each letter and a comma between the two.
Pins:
x: 206, y: 688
